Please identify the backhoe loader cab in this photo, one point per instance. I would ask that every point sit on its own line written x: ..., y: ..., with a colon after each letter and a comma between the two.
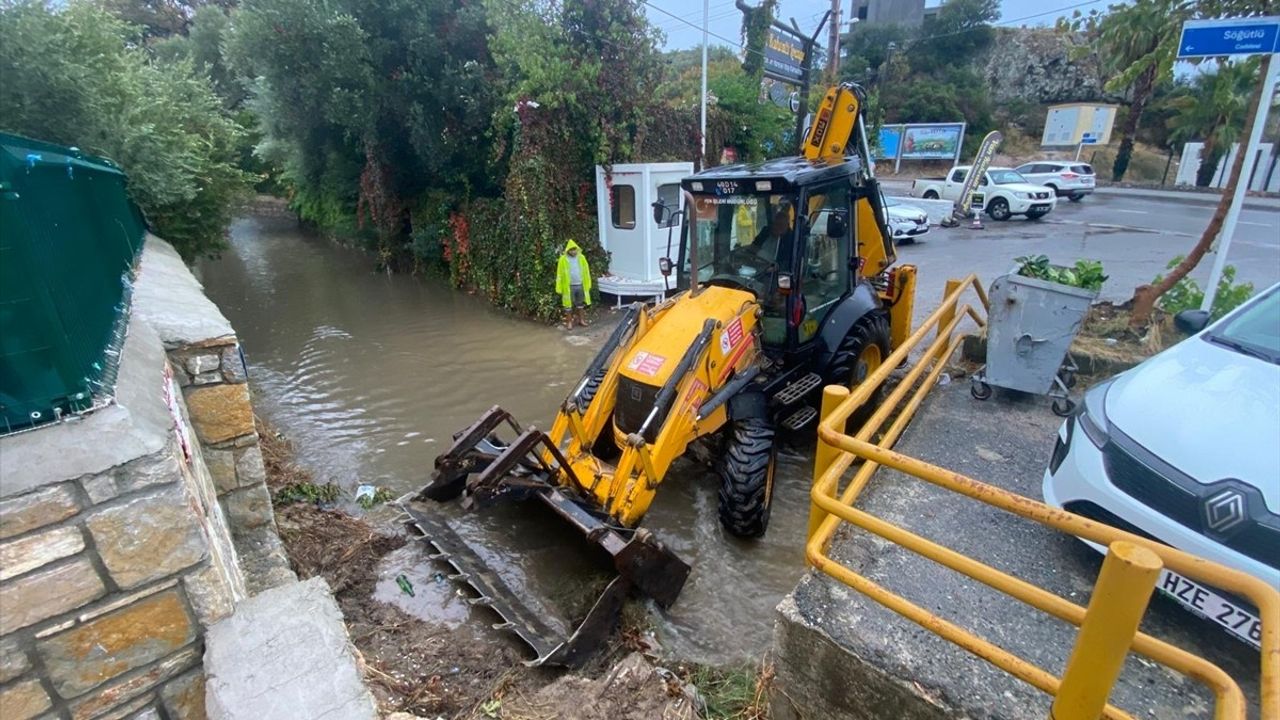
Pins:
x: 785, y: 231
x: 783, y: 286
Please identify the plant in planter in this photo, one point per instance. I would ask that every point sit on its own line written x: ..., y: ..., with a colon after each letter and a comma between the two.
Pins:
x: 1086, y: 274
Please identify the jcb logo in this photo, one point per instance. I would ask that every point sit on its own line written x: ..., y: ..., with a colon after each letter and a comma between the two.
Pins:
x: 820, y: 128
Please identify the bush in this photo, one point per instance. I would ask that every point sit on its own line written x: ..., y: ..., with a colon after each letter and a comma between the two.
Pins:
x: 76, y: 75
x: 1187, y: 295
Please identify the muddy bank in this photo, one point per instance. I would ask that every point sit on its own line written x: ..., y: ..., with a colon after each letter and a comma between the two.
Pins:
x: 448, y: 665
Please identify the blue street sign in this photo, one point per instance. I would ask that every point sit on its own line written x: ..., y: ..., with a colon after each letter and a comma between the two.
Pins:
x: 1088, y: 139
x: 1229, y: 36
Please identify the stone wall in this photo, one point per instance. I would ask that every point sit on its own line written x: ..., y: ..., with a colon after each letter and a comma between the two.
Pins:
x: 209, y: 367
x: 125, y: 533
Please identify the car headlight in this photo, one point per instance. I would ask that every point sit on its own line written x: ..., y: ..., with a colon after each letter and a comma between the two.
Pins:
x: 1093, y: 417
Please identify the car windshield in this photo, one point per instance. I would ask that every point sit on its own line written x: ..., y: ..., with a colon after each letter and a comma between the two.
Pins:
x: 742, y: 240
x: 1082, y: 169
x: 1005, y: 177
x: 1253, y: 331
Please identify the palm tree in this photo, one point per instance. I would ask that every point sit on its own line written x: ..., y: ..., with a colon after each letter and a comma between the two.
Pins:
x: 1213, y: 113
x: 1137, y: 44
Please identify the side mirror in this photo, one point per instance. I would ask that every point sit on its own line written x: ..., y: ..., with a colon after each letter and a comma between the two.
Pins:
x: 837, y: 224
x: 664, y: 266
x: 1191, y: 322
x: 660, y: 213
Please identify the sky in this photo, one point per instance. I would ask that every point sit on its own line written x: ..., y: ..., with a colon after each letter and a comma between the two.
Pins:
x: 726, y: 19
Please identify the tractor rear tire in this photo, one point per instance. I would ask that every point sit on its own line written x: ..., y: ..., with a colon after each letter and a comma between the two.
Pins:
x: 863, y: 348
x: 746, y: 478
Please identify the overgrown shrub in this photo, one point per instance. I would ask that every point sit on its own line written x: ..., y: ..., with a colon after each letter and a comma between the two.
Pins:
x: 76, y: 75
x: 1186, y: 294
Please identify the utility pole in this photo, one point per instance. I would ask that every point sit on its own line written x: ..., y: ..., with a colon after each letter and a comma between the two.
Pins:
x: 702, y: 132
x: 833, y: 45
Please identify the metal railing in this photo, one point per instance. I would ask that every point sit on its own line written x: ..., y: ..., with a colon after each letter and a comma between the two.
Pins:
x: 1125, y: 583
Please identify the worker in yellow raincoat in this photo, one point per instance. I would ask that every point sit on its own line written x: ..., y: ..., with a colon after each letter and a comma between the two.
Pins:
x: 573, y: 284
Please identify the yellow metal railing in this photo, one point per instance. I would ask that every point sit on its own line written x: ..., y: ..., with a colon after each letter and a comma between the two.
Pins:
x: 1108, y: 627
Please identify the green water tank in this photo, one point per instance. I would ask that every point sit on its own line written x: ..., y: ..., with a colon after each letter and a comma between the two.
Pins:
x: 69, y: 242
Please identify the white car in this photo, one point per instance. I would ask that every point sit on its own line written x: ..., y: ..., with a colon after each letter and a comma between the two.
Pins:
x: 1001, y: 192
x: 906, y: 222
x: 1185, y: 449
x: 1072, y: 180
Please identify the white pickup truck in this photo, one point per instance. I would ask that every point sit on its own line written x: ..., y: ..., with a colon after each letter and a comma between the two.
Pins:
x: 1003, y: 193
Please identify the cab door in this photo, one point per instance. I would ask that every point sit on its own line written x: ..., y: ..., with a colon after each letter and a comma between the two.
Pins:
x: 823, y: 269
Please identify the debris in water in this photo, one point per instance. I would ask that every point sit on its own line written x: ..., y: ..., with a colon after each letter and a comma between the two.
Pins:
x: 369, y: 495
x: 405, y: 586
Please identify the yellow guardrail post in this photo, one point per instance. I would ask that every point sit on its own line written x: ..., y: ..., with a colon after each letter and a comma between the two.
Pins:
x: 832, y: 396
x: 1117, y: 605
x: 948, y: 311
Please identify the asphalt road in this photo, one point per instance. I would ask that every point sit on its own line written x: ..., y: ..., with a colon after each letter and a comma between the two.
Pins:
x: 1135, y: 237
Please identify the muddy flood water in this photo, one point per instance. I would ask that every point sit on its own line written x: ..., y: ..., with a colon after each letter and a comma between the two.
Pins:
x: 369, y: 375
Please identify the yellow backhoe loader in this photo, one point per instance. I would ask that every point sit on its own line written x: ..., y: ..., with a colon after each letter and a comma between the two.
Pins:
x: 784, y: 283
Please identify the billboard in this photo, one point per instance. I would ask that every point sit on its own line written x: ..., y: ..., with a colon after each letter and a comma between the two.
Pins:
x: 890, y: 141
x: 932, y: 142
x: 784, y: 56
x: 1069, y: 124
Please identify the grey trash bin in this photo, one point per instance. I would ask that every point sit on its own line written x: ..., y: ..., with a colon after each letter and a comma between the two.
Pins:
x: 1029, y: 329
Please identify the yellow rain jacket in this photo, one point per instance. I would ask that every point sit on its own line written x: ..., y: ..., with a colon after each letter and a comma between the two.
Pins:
x: 562, y: 275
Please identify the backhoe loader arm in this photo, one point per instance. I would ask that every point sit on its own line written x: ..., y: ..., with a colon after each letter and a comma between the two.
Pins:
x: 837, y: 125
x: 838, y: 132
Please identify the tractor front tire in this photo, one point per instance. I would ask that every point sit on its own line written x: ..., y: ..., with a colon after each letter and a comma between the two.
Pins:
x: 863, y: 348
x: 746, y: 478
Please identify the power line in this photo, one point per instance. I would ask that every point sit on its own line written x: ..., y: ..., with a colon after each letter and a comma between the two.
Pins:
x: 732, y: 43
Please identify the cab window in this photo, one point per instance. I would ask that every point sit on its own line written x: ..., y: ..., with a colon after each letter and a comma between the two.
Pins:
x: 958, y: 176
x: 824, y: 276
x: 622, y: 202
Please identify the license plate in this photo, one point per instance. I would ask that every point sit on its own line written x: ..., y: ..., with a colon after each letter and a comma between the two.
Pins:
x: 1208, y: 604
x: 1040, y: 208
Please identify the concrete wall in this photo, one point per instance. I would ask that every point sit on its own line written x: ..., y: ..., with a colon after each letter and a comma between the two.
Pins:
x: 123, y: 532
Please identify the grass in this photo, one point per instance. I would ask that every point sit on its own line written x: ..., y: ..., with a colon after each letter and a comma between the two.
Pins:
x: 735, y: 692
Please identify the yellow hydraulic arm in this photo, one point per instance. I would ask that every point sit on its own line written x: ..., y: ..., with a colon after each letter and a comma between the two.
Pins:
x: 838, y: 117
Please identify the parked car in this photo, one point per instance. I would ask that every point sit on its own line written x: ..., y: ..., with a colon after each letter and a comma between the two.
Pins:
x: 906, y: 222
x: 1072, y: 180
x: 1182, y: 449
x: 1003, y: 193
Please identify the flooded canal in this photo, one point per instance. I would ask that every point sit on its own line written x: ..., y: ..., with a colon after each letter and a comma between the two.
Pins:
x: 369, y: 375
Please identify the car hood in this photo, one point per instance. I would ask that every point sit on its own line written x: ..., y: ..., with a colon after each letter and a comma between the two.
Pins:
x: 906, y: 212
x: 1209, y: 411
x: 1023, y: 187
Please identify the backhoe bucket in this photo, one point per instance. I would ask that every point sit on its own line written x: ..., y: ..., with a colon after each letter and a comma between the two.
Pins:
x: 484, y: 470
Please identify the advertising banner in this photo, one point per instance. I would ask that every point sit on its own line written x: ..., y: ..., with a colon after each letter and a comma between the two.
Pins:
x: 981, y: 162
x: 890, y: 142
x: 932, y: 142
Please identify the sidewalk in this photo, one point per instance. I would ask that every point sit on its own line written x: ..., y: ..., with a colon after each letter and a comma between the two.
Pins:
x: 1205, y: 198
x: 902, y: 187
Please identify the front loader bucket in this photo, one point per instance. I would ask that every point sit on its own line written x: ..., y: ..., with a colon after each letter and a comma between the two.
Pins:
x: 485, y: 470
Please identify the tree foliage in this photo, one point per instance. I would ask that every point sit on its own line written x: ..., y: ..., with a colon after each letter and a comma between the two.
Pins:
x: 76, y: 75
x: 960, y: 30
x: 925, y: 73
x: 1213, y: 112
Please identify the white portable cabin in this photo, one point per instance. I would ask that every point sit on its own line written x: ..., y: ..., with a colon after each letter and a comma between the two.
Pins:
x: 624, y: 207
